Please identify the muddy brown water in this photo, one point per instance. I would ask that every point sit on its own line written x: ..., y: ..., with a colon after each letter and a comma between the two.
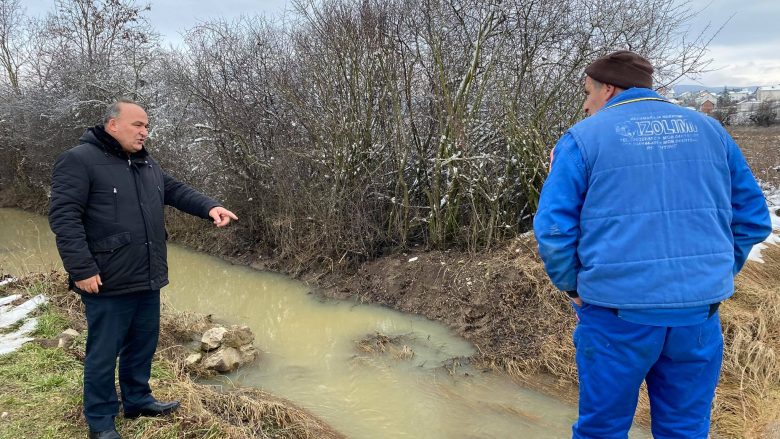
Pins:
x: 310, y: 356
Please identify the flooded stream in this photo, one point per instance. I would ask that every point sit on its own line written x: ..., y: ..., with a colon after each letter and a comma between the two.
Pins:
x: 309, y: 352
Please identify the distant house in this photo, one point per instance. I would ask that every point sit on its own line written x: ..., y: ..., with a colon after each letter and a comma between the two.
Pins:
x: 703, y: 96
x: 707, y: 106
x: 738, y: 96
x: 770, y: 93
x: 748, y: 106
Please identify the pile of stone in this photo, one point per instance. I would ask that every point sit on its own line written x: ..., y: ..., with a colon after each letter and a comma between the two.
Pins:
x: 225, y: 349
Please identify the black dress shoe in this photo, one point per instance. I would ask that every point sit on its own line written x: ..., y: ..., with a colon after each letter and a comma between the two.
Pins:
x: 156, y: 408
x: 105, y: 434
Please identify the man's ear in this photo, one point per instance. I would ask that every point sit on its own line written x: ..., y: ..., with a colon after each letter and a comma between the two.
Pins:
x: 609, y: 90
x: 111, y: 125
x: 612, y: 90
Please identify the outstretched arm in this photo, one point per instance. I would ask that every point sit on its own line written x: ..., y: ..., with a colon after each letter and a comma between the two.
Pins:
x: 187, y: 199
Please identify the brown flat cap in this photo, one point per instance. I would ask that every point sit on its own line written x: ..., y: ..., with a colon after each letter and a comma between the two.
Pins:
x: 623, y: 69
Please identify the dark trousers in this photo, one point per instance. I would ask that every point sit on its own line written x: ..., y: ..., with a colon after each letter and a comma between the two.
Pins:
x: 125, y: 326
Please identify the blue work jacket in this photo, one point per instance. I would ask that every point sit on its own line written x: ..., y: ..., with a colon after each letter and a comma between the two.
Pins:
x: 648, y: 205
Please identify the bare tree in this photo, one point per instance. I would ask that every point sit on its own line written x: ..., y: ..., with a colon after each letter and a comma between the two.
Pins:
x: 13, y: 38
x: 77, y: 60
x: 356, y: 125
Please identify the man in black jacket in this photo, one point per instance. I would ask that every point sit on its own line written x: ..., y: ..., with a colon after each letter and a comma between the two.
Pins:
x: 106, y: 211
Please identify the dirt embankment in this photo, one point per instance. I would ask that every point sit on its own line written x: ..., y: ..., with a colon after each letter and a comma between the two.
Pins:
x: 499, y: 300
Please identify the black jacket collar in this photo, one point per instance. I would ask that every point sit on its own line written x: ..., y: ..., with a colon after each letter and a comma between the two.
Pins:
x: 98, y: 136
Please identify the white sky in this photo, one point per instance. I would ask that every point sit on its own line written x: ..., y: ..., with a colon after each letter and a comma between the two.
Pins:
x: 745, y: 52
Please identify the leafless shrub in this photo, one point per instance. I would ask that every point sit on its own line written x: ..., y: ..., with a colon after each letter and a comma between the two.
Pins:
x: 351, y: 128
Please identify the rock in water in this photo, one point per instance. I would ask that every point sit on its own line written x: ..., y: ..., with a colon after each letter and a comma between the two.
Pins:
x: 212, y: 339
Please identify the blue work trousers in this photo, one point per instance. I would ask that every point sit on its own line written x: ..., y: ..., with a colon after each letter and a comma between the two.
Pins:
x: 681, y: 366
x: 125, y: 326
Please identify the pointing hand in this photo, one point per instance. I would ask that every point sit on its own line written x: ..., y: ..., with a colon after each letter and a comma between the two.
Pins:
x: 221, y: 216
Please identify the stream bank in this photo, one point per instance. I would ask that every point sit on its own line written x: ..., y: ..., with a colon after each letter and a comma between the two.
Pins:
x: 42, y: 383
x: 501, y: 301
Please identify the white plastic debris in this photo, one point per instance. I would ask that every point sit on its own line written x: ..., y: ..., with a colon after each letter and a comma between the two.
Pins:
x: 413, y: 259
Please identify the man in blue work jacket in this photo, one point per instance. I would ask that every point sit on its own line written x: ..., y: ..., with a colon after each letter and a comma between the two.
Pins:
x: 647, y: 214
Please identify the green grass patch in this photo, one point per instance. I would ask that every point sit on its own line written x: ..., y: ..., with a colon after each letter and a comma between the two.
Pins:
x: 41, y: 387
x: 41, y: 286
x: 42, y: 394
x: 51, y: 323
x: 162, y: 371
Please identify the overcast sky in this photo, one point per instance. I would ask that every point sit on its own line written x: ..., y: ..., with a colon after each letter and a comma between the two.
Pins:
x: 745, y: 52
x: 747, y: 49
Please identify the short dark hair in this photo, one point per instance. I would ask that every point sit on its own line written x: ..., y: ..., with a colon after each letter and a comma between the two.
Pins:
x: 112, y: 111
x: 596, y: 82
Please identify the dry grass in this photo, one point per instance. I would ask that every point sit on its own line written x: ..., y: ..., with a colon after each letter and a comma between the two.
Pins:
x: 536, y: 307
x: 748, y: 398
x: 380, y: 344
x: 748, y: 395
x: 761, y: 146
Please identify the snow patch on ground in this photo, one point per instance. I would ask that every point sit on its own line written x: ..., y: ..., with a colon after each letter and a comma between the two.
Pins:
x: 773, y: 202
x: 19, y: 313
x: 14, y: 340
x: 8, y: 299
x: 11, y: 315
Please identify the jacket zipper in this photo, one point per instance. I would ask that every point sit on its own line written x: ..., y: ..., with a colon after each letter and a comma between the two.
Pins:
x: 136, y: 174
x: 116, y: 207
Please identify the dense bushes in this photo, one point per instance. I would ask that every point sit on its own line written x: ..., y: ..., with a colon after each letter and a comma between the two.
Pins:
x: 354, y: 127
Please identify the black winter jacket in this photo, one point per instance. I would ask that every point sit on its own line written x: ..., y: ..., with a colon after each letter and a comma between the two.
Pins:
x: 107, y: 214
